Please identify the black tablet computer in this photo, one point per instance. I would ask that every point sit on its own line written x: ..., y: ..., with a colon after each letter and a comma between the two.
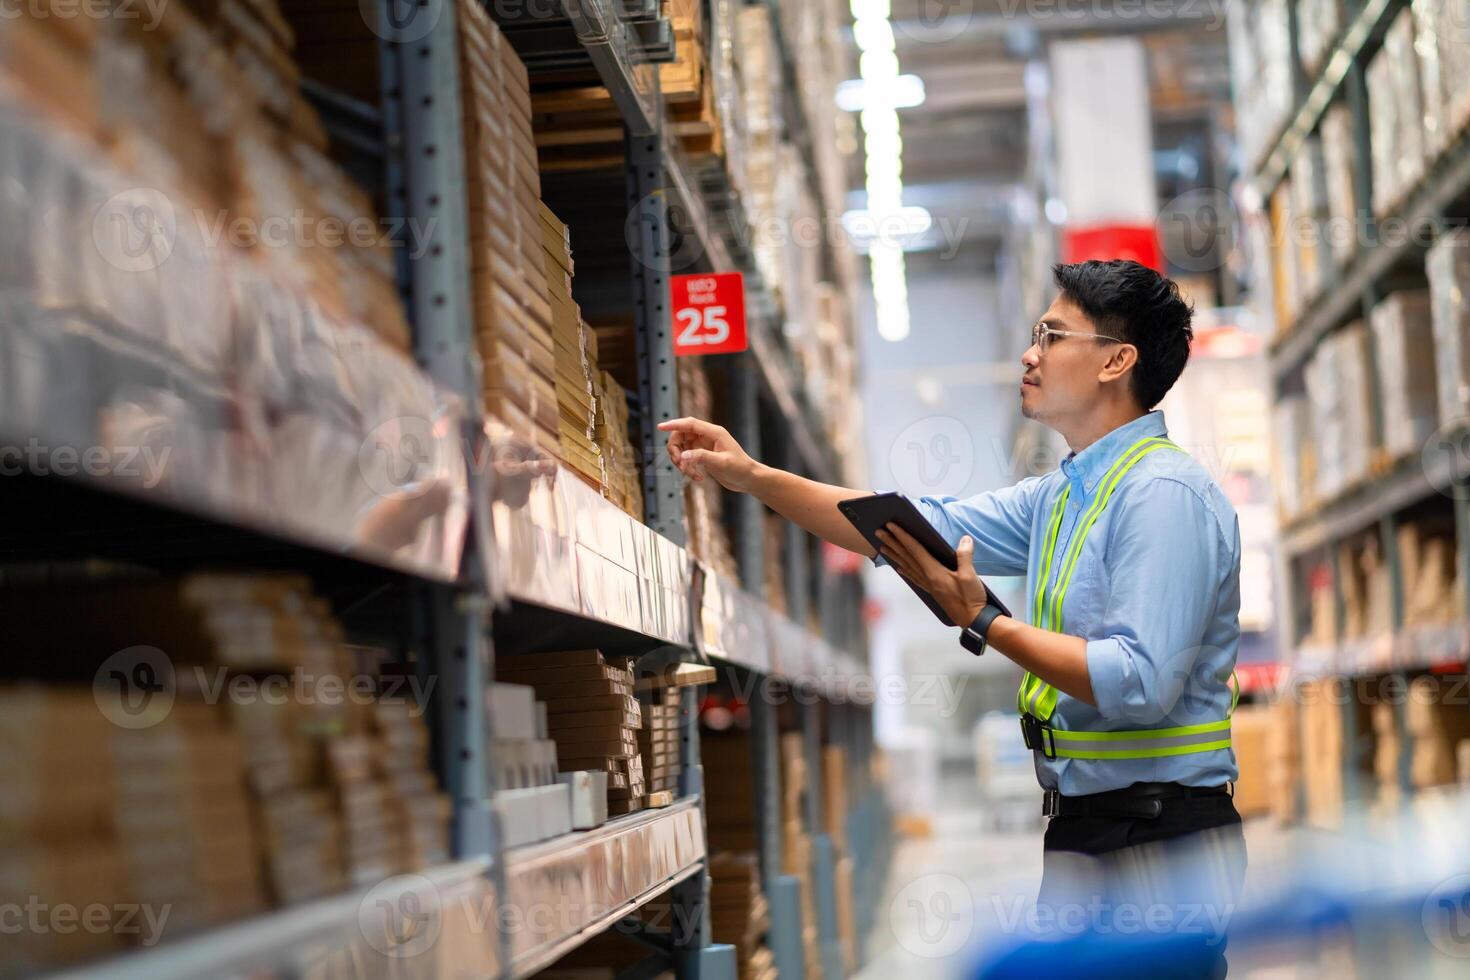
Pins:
x: 868, y: 514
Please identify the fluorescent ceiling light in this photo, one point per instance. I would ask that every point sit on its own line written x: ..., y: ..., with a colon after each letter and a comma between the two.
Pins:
x: 898, y: 92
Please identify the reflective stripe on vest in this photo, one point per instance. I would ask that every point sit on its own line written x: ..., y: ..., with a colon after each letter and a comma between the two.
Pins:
x: 1039, y: 699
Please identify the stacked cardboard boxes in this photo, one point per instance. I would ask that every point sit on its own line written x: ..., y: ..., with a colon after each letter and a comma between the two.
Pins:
x: 658, y: 743
x: 1283, y: 738
x: 730, y: 810
x: 576, y: 361
x: 592, y: 716
x: 1436, y: 724
x: 622, y: 483
x: 257, y: 785
x: 739, y: 914
x: 1367, y: 589
x: 1430, y: 573
x: 709, y: 541
x: 1388, y: 749
x: 834, y: 813
x: 797, y: 853
x: 1249, y: 732
x: 507, y: 254
x: 105, y: 816
x: 1322, y: 744
x: 202, y: 103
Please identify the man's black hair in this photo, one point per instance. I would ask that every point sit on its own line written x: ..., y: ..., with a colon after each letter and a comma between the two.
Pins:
x: 1135, y: 304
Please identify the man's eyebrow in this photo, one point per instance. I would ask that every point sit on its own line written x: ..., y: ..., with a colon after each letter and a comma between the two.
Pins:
x: 1053, y: 322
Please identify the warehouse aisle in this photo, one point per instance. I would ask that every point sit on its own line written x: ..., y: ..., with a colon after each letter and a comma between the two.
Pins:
x: 949, y: 889
x: 968, y: 881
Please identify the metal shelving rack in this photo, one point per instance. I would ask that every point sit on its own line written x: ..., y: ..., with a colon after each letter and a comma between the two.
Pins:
x: 476, y: 588
x: 1349, y: 292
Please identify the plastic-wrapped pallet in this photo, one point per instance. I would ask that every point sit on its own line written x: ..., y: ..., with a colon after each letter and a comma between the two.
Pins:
x: 1340, y: 157
x: 1294, y: 462
x: 1395, y: 113
x: 1448, y: 268
x: 1309, y: 219
x: 1318, y: 24
x: 1337, y: 389
x: 1403, y: 340
x: 1260, y: 62
x: 1442, y: 30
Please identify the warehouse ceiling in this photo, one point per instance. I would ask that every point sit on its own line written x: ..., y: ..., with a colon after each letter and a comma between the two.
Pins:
x: 965, y: 148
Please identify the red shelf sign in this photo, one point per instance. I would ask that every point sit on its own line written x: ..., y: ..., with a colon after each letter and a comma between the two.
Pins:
x: 709, y: 314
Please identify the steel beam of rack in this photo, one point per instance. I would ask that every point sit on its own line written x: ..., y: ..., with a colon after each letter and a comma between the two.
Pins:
x: 658, y: 378
x: 602, y: 31
x: 421, y: 86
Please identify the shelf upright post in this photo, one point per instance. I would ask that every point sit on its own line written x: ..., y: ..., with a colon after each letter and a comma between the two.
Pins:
x: 419, y: 70
x: 658, y: 382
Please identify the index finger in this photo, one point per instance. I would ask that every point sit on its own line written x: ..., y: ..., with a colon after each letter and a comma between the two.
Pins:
x: 687, y: 424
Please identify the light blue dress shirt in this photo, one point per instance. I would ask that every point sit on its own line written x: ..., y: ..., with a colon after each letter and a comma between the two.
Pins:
x: 1156, y: 595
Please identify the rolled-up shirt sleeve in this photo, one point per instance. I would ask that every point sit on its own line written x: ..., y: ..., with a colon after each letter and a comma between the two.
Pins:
x: 1164, y: 560
x: 999, y: 521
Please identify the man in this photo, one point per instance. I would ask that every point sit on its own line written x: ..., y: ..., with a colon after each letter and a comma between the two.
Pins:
x: 1132, y: 558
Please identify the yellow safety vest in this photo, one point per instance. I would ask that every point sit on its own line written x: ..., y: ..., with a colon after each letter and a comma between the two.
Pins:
x: 1037, y: 700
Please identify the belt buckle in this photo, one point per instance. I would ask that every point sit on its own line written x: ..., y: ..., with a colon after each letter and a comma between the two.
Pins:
x: 1051, y: 803
x: 1038, y: 736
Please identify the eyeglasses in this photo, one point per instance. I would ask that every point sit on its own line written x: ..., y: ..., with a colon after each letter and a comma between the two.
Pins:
x: 1042, y: 333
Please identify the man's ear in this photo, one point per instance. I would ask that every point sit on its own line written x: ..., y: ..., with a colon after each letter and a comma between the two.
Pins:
x: 1120, y: 361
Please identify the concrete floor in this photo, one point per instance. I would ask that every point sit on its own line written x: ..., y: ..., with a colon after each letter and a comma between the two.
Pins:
x: 951, y: 890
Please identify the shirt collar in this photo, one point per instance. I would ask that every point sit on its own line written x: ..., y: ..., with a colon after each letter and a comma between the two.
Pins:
x: 1083, y: 470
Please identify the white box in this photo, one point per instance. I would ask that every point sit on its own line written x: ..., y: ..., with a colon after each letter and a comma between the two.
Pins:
x: 588, y: 790
x: 512, y: 710
x: 541, y: 720
x: 519, y: 813
x: 556, y: 810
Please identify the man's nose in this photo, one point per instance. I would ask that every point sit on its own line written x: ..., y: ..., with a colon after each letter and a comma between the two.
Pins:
x: 1032, y: 357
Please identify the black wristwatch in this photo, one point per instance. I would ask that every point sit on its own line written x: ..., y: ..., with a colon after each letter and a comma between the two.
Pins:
x: 972, y: 637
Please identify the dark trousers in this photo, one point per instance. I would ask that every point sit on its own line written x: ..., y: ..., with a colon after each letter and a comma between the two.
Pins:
x: 1172, y: 881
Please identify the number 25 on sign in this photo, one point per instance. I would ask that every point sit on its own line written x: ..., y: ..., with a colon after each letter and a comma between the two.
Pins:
x: 708, y: 314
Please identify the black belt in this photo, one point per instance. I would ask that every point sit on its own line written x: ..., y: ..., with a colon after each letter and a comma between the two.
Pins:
x: 1140, y: 801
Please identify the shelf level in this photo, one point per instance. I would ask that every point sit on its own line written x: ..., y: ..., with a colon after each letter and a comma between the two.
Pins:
x: 1447, y: 182
x: 1410, y: 649
x: 561, y: 547
x: 168, y: 370
x: 570, y: 888
x: 349, y: 934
